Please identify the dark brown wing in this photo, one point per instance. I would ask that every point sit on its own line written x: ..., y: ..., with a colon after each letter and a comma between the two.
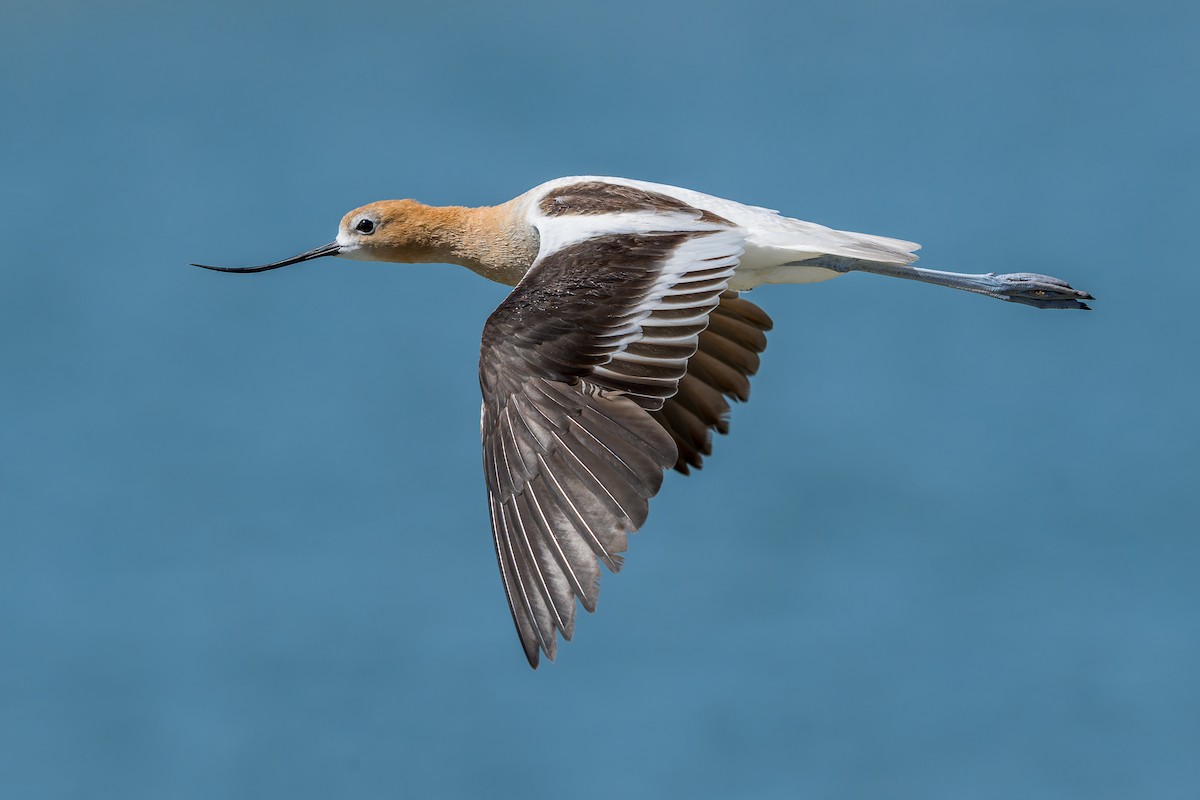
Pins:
x: 595, y: 336
x: 719, y: 371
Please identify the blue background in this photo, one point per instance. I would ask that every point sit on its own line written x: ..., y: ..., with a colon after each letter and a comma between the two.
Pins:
x: 950, y: 551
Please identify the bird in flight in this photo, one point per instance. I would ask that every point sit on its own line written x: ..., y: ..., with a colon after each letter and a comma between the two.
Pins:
x: 616, y: 354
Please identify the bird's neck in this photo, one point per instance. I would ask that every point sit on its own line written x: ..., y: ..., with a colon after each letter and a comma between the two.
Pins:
x: 492, y: 241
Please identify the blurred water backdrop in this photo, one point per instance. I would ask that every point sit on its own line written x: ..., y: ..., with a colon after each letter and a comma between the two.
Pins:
x: 951, y: 549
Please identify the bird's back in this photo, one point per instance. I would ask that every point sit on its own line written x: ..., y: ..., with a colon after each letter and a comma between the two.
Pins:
x: 775, y: 244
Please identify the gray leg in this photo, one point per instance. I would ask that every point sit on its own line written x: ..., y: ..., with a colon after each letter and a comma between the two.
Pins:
x: 1031, y: 289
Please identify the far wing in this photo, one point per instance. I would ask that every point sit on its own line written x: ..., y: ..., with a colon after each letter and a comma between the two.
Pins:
x: 726, y: 357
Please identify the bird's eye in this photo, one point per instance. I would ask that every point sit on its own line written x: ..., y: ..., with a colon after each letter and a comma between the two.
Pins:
x: 365, y: 226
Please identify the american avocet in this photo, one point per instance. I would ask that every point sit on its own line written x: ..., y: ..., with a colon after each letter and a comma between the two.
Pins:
x: 615, y: 355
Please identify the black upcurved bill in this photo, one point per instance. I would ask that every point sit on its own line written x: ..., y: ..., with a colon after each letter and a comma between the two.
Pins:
x: 331, y: 249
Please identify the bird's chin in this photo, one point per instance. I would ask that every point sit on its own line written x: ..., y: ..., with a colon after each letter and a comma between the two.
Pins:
x: 353, y: 250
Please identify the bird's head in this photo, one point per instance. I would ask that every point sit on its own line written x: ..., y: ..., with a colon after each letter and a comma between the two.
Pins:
x: 403, y: 231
